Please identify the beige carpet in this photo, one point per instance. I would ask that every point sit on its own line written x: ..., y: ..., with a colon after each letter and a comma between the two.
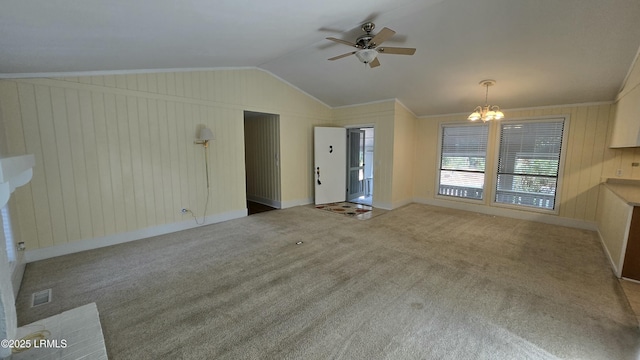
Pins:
x: 419, y: 282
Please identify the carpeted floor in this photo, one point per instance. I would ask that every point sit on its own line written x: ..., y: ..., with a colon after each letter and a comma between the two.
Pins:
x: 419, y: 282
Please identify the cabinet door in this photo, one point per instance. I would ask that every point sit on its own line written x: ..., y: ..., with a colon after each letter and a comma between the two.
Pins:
x: 631, y: 267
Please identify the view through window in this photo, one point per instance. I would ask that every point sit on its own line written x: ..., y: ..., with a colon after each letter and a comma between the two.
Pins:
x: 463, y: 160
x: 529, y: 162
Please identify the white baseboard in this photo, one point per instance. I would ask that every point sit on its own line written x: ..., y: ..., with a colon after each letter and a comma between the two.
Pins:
x: 382, y: 205
x: 264, y: 201
x: 511, y: 213
x: 95, y: 243
x: 398, y: 204
x: 392, y: 205
x: 294, y: 203
x: 617, y: 272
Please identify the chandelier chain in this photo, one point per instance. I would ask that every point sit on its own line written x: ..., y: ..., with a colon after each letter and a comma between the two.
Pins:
x: 486, y: 94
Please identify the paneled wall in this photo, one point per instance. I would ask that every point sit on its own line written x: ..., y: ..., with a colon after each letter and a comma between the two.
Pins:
x: 404, y: 138
x: 381, y: 116
x: 115, y: 153
x: 586, y: 155
x: 262, y: 158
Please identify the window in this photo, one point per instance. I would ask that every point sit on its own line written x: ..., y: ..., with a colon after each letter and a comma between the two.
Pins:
x: 528, y: 163
x: 462, y: 160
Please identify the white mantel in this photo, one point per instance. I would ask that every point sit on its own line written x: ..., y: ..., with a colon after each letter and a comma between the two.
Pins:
x: 14, y: 172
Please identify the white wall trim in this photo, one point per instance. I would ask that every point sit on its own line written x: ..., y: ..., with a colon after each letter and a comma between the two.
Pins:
x: 293, y: 86
x: 99, y: 242
x: 465, y: 114
x: 626, y: 78
x: 401, y: 203
x: 114, y: 72
x: 297, y: 202
x: 406, y: 108
x: 511, y: 213
x: 382, y: 205
x: 15, y: 171
x: 264, y: 201
x: 616, y: 272
x: 366, y: 103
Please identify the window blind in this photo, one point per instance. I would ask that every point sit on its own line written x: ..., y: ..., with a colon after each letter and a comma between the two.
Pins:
x: 528, y: 163
x: 462, y: 160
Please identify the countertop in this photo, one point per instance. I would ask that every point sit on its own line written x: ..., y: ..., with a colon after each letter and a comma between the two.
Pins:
x: 627, y: 190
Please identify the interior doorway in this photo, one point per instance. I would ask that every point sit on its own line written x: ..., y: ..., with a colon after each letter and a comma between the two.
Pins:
x: 262, y: 161
x: 360, y: 142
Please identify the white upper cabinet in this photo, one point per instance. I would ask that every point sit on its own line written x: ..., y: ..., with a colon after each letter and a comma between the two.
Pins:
x: 626, y: 126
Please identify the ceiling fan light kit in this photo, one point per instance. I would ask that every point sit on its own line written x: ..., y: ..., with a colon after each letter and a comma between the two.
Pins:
x: 367, y: 55
x: 486, y: 112
x: 368, y: 45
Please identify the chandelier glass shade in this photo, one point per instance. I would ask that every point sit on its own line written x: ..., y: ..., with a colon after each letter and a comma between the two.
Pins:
x: 486, y: 112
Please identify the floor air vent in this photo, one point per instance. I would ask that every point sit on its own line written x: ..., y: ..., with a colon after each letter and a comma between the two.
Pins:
x: 41, y: 298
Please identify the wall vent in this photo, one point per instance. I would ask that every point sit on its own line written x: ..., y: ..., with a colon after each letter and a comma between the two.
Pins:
x: 41, y: 298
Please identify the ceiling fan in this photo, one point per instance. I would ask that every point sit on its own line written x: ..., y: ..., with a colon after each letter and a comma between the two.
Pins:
x: 369, y: 46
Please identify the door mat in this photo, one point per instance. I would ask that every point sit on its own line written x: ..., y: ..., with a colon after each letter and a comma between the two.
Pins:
x: 358, y: 211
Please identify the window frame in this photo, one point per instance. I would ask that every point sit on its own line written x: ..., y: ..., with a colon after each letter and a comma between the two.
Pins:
x: 561, y: 164
x: 438, y: 164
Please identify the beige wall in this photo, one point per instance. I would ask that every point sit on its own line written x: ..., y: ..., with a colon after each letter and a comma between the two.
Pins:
x: 381, y: 116
x: 393, y: 148
x: 116, y: 154
x: 586, y: 156
x: 404, y: 139
x: 262, y: 158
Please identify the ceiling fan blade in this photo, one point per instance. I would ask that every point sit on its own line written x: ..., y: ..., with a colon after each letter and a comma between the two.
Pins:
x: 341, y: 56
x: 340, y: 41
x: 383, y: 35
x: 396, y: 50
x: 374, y: 63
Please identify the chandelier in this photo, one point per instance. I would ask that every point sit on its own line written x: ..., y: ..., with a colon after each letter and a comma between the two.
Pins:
x: 486, y: 112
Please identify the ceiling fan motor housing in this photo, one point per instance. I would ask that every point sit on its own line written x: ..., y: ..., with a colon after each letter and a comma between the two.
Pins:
x: 363, y: 42
x: 368, y: 27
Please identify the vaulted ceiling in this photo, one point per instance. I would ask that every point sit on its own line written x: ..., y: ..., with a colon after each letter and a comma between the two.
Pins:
x: 541, y: 52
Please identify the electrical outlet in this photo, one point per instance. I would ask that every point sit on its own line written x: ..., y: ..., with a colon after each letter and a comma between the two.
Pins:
x: 619, y: 172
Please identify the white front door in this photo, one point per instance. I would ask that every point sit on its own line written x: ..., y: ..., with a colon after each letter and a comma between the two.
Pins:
x: 330, y: 170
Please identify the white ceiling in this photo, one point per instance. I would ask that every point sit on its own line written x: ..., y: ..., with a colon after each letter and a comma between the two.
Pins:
x: 541, y: 52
